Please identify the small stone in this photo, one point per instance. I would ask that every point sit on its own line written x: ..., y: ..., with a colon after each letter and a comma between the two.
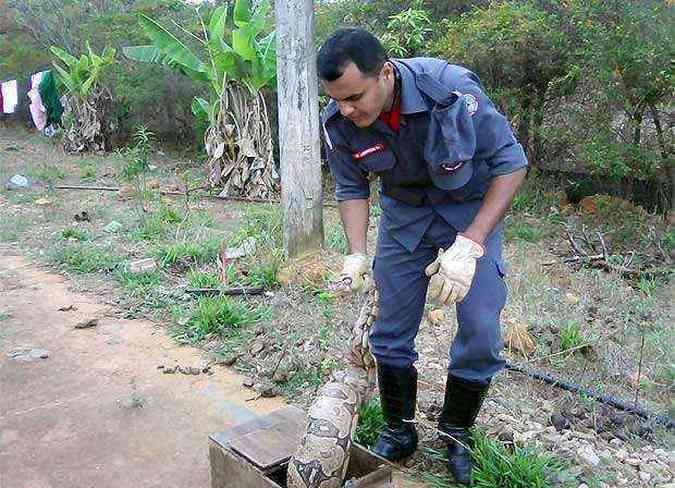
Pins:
x: 18, y: 182
x: 644, y: 476
x: 160, y: 366
x: 86, y: 324
x: 229, y: 360
x: 632, y: 461
x: 257, y: 348
x: 559, y: 422
x: 587, y: 455
x: 170, y: 370
x: 143, y: 265
x: 248, y: 382
x: 38, y: 353
x: 572, y: 299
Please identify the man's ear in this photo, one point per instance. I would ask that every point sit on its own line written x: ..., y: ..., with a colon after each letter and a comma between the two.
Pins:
x: 387, y: 70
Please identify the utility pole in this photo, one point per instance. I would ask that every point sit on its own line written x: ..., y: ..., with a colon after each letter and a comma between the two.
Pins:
x: 297, y: 89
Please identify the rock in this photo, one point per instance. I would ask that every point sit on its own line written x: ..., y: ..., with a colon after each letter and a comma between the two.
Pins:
x: 266, y: 390
x: 126, y: 192
x: 583, y: 485
x: 83, y: 216
x: 248, y: 382
x: 153, y: 183
x: 170, y: 370
x: 587, y: 455
x: 87, y: 324
x: 229, y: 360
x: 143, y: 265
x: 67, y: 308
x: 257, y: 348
x: 559, y: 422
x: 632, y: 461
x: 39, y: 353
x: 644, y: 476
x: 42, y: 201
x: 19, y: 182
x: 572, y: 299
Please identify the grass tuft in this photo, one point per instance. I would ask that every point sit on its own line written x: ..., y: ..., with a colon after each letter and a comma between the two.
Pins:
x: 74, y: 234
x: 497, y: 466
x: 217, y: 315
x: 86, y: 258
x: 371, y: 423
x: 202, y: 279
x: 571, y: 336
x: 193, y: 252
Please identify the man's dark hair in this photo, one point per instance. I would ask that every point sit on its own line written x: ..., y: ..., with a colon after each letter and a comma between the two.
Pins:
x: 350, y: 45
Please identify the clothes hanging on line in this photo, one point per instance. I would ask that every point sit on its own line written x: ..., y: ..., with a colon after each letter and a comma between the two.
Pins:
x: 50, y: 98
x: 38, y: 111
x: 10, y: 96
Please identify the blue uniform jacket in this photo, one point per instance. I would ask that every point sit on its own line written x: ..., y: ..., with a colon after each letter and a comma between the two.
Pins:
x: 353, y: 153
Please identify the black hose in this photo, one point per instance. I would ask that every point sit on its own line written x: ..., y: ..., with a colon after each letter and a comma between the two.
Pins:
x: 606, y: 399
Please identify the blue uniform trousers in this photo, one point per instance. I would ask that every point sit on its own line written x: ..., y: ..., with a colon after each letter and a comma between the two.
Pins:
x: 402, y: 285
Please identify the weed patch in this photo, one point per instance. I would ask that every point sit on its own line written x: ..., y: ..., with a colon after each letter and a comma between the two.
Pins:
x: 371, y: 423
x: 337, y: 241
x: 86, y: 258
x: 215, y: 315
x: 188, y: 252
x: 571, y: 336
x: 524, y: 232
x: 74, y: 234
x: 497, y: 466
x: 201, y: 279
x: 262, y: 223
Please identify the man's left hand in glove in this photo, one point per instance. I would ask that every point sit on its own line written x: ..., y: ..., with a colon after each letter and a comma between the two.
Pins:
x: 452, y: 271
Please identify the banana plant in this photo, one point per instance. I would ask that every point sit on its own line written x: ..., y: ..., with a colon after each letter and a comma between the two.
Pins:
x: 245, y: 57
x: 237, y: 60
x: 81, y: 76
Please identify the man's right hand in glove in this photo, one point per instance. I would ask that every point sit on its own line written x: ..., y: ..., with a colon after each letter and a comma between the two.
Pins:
x: 355, y: 269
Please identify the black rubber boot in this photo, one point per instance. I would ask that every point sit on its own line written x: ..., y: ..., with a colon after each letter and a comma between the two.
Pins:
x: 398, y: 395
x: 462, y: 403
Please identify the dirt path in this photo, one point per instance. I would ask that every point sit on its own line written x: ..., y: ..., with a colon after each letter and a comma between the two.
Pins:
x: 98, y: 412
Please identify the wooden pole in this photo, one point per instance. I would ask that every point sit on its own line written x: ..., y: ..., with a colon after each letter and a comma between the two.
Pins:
x: 297, y: 87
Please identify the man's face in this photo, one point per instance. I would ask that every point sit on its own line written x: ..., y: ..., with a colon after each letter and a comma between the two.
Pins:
x: 361, y: 98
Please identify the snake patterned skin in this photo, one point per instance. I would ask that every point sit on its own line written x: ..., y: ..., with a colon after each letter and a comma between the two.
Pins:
x: 322, y: 458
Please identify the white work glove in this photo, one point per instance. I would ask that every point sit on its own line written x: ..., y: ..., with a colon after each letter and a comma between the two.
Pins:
x: 355, y: 269
x: 452, y: 272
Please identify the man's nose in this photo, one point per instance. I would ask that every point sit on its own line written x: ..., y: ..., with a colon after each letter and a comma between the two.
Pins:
x: 346, y: 109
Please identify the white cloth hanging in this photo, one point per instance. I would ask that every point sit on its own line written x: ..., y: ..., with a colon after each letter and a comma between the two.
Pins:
x: 10, y: 96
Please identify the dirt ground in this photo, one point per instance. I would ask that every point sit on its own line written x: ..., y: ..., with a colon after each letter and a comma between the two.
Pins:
x: 97, y: 412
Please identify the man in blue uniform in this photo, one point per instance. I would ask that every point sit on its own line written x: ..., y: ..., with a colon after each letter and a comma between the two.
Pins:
x: 449, y: 166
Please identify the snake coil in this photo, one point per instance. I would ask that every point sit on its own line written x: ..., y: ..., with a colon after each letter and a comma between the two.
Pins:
x: 323, y: 456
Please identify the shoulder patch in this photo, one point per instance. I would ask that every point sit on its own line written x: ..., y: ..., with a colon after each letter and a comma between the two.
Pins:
x: 471, y: 103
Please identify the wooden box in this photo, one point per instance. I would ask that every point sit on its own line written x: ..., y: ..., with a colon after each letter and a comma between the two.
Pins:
x: 255, y: 454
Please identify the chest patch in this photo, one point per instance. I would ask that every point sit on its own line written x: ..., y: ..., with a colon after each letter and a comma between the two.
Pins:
x: 368, y: 151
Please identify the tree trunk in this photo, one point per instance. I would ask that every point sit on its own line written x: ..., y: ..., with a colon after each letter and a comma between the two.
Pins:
x: 668, y: 162
x: 524, y: 125
x: 297, y: 85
